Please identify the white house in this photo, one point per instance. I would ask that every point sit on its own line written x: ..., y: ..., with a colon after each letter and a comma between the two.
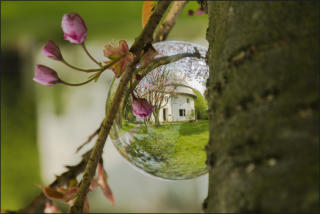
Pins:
x: 179, y: 107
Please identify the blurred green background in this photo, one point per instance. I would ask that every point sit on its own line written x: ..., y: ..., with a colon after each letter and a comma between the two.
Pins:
x: 25, y: 27
x: 40, y: 20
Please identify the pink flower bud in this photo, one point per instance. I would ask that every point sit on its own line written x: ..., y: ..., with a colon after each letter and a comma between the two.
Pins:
x: 45, y: 75
x: 52, y: 51
x: 141, y: 108
x: 74, y: 28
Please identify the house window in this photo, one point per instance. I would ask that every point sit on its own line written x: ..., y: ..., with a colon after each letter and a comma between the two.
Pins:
x: 182, y: 112
x: 188, y: 101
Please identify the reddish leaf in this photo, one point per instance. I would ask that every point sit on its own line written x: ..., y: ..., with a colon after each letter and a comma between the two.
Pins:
x: 116, y: 52
x: 60, y: 194
x: 52, y: 193
x: 102, y: 181
x: 94, y: 184
x: 69, y: 193
x: 86, y: 208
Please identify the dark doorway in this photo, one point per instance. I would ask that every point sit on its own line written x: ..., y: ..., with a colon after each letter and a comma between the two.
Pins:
x: 164, y: 114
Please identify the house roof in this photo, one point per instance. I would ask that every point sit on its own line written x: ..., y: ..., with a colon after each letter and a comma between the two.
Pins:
x: 185, y: 90
x: 181, y: 85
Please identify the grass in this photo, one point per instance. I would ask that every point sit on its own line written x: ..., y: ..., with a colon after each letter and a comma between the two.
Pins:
x: 174, y: 151
x: 126, y: 125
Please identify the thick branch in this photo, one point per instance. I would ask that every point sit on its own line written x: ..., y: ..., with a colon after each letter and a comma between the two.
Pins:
x: 166, y: 60
x: 136, y: 49
x: 178, y: 84
x: 147, y: 34
x: 170, y: 21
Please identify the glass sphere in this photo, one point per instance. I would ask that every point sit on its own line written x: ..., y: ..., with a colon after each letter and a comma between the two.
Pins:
x: 170, y: 142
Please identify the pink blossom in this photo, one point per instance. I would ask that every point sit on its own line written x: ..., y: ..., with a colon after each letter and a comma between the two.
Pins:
x: 74, y: 28
x: 52, y: 51
x: 45, y: 75
x: 141, y: 108
x: 115, y: 53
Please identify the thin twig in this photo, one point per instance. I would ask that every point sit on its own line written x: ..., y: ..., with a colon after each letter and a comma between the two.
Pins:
x: 89, y: 139
x: 77, y: 84
x: 170, y: 21
x: 80, y: 69
x: 73, y: 171
x: 136, y: 49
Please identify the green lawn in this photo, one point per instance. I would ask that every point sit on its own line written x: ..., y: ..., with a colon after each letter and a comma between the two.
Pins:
x: 126, y: 125
x: 173, y: 151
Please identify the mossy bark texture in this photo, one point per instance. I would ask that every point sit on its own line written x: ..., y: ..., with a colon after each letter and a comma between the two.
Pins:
x: 263, y: 151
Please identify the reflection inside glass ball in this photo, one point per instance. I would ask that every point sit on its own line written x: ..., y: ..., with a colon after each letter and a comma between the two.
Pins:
x: 170, y: 142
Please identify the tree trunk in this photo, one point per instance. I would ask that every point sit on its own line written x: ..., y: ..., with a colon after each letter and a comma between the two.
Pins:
x: 156, y: 117
x: 263, y: 152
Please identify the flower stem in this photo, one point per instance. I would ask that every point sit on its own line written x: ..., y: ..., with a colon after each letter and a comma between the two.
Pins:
x: 77, y: 84
x: 94, y: 76
x: 112, y: 63
x: 80, y: 69
x: 89, y: 55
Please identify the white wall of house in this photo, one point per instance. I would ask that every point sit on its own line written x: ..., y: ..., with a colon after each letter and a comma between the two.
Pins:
x: 178, y: 108
x: 182, y: 107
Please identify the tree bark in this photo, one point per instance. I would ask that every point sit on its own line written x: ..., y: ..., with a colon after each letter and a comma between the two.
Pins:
x: 263, y: 152
x: 156, y: 117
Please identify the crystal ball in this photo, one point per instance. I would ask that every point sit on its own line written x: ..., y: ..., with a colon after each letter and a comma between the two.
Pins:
x: 169, y: 143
